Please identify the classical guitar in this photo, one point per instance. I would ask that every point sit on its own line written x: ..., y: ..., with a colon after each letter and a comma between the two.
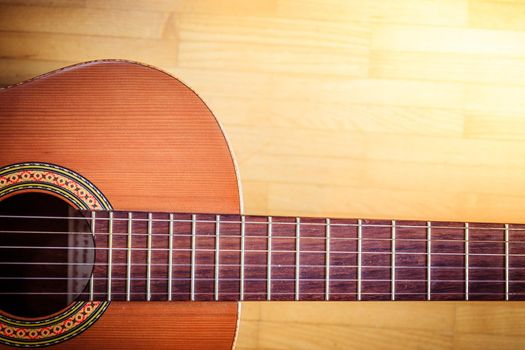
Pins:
x: 121, y: 225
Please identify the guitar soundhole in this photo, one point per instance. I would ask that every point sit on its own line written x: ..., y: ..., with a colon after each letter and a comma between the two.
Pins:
x: 46, y: 254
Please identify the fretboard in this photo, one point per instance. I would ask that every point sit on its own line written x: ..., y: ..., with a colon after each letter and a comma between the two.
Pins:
x: 159, y: 256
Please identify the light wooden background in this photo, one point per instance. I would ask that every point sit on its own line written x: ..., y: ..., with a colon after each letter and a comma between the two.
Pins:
x: 357, y: 108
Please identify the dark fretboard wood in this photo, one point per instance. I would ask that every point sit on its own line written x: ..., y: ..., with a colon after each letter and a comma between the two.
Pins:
x: 162, y: 256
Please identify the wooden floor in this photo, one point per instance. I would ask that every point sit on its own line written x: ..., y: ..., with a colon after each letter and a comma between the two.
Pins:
x: 352, y: 108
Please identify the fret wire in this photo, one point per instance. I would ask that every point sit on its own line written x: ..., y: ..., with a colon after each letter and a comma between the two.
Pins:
x: 241, y: 285
x: 193, y: 253
x: 466, y: 260
x: 506, y: 261
x: 359, y: 257
x: 327, y: 261
x: 110, y: 253
x: 148, y: 268
x: 269, y: 262
x: 217, y: 255
x: 297, y: 257
x: 91, y: 280
x: 429, y: 260
x: 170, y: 259
x: 393, y: 258
x: 128, y: 267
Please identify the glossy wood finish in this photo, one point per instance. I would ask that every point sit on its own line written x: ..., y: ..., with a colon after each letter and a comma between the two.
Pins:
x: 146, y: 140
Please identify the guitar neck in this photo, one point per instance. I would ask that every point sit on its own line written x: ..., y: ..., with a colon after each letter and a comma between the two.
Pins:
x: 160, y: 256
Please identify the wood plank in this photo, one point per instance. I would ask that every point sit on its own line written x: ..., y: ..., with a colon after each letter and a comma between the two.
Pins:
x: 491, y: 14
x: 236, y: 7
x: 355, y: 145
x: 431, y: 204
x: 257, y: 190
x: 448, y: 12
x: 334, y: 172
x: 392, y: 92
x: 495, y: 99
x: 485, y: 325
x: 448, y: 40
x: 16, y: 70
x: 438, y: 320
x: 273, y: 335
x: 436, y: 66
x: 343, y: 116
x: 495, y: 126
x: 78, y: 20
x: 223, y: 83
x: 63, y: 47
x: 280, y: 88
x: 505, y: 319
x: 345, y: 327
x: 53, y: 3
x: 437, y: 317
x: 487, y: 341
x: 264, y: 45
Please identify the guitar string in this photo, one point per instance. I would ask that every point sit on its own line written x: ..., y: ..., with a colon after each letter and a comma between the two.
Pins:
x: 462, y: 267
x: 52, y: 278
x: 263, y: 293
x: 237, y: 279
x: 322, y: 238
x: 434, y: 224
x: 212, y: 235
x: 387, y: 252
x: 222, y: 281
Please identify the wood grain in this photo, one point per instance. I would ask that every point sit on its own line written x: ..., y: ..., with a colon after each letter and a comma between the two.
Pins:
x: 198, y: 325
x: 97, y: 118
x: 444, y: 89
x: 97, y: 96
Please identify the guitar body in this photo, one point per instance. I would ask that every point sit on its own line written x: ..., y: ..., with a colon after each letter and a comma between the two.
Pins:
x: 145, y: 141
